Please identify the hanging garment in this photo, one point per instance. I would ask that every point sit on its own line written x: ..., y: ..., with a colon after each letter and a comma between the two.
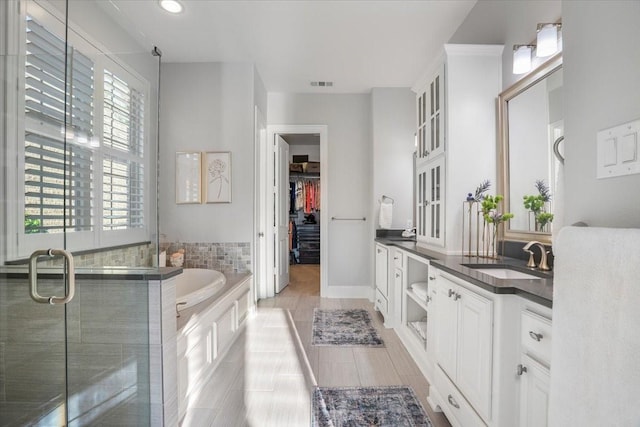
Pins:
x: 299, y: 195
x: 292, y: 197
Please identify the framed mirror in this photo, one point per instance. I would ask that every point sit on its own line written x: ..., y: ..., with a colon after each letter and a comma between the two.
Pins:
x: 530, y: 121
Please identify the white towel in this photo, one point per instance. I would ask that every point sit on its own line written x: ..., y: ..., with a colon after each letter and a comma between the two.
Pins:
x: 420, y: 328
x: 386, y: 214
x: 595, y: 380
x: 420, y: 289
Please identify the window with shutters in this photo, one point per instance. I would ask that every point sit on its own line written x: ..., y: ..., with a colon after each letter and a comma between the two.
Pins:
x: 84, y: 144
x: 58, y: 175
x: 123, y: 167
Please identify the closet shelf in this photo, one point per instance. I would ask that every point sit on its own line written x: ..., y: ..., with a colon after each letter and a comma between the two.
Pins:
x: 304, y: 175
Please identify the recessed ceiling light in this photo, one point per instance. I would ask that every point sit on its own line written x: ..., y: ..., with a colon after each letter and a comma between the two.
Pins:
x: 172, y: 6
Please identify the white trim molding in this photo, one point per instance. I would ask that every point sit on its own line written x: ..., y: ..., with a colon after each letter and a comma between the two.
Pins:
x: 322, y: 130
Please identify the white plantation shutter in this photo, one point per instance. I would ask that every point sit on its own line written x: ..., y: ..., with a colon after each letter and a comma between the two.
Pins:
x: 123, y: 166
x: 100, y: 152
x: 47, y: 160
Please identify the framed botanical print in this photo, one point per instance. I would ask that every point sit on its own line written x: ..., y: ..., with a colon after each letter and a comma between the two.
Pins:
x: 217, y: 176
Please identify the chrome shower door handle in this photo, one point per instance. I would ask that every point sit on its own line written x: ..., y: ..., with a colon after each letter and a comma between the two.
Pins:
x: 70, y: 278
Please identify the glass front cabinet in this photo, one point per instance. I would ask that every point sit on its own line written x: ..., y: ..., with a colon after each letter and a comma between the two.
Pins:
x: 430, y: 162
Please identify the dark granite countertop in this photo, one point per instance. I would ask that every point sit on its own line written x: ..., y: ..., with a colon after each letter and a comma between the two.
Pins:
x: 537, y: 290
x: 103, y: 273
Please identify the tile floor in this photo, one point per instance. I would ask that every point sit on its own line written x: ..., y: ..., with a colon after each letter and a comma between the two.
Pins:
x: 266, y: 378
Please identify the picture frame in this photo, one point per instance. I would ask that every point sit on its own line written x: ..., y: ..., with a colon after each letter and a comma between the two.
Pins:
x: 188, y: 177
x: 217, y: 176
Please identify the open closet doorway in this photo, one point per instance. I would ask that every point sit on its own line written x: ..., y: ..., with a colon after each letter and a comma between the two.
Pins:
x: 296, y: 209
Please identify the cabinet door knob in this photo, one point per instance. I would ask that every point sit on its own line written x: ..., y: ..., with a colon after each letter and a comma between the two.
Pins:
x: 457, y: 296
x: 451, y: 292
x: 535, y: 336
x: 453, y: 402
x: 396, y: 258
x: 432, y: 277
x: 397, y: 275
x: 521, y: 369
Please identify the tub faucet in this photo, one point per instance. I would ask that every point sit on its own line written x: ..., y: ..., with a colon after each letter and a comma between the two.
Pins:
x: 543, y: 255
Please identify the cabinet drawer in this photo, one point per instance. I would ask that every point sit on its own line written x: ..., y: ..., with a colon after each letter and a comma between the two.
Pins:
x: 536, y: 336
x: 381, y: 302
x: 456, y: 407
x: 398, y: 259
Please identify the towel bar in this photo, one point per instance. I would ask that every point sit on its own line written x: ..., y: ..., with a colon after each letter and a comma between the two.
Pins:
x: 333, y: 218
x: 386, y: 197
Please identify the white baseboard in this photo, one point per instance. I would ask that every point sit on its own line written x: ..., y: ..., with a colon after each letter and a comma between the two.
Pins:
x: 333, y: 291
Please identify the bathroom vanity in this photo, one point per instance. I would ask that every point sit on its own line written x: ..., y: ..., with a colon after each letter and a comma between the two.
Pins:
x: 487, y: 342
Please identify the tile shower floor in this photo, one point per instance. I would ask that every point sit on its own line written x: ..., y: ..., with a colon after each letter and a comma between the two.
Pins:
x: 267, y: 377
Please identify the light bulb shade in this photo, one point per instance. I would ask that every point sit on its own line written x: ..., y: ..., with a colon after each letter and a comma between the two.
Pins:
x: 521, y: 59
x: 547, y: 40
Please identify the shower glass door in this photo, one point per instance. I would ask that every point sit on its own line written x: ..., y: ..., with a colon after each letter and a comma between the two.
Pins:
x: 78, y: 142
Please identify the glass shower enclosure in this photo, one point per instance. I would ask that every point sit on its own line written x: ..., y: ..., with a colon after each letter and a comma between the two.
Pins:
x: 78, y: 201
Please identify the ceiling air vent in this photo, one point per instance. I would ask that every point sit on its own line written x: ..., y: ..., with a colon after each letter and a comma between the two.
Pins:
x: 322, y: 84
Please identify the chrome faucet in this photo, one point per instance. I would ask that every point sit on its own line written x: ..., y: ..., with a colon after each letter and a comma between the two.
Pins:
x: 543, y: 255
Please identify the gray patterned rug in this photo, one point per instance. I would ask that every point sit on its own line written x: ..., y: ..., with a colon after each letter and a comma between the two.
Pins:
x: 344, y: 328
x: 395, y: 406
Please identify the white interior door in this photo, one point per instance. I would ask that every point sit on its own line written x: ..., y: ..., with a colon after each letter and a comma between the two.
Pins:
x: 281, y: 208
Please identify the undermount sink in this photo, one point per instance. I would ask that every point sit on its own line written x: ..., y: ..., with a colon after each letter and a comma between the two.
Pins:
x: 502, y: 272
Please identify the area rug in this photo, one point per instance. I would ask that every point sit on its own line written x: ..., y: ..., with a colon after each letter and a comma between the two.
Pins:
x: 395, y: 406
x: 344, y: 328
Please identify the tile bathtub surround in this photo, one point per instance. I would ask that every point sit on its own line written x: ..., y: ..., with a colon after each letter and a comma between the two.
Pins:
x: 131, y: 256
x: 233, y: 257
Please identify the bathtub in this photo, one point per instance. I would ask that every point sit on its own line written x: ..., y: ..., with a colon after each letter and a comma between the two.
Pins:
x: 195, y: 285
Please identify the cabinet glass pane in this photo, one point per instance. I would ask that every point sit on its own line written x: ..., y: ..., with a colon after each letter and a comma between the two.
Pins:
x: 437, y: 197
x: 432, y: 93
x: 420, y: 111
x: 433, y: 221
x: 433, y: 184
x: 424, y: 107
x: 432, y: 139
x: 436, y: 139
x: 437, y: 231
x: 437, y: 95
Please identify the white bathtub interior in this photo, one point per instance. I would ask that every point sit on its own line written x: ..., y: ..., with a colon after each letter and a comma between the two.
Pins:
x: 195, y: 285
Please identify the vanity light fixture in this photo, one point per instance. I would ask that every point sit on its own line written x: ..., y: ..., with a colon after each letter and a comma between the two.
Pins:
x: 522, y: 58
x: 171, y: 6
x: 547, y: 39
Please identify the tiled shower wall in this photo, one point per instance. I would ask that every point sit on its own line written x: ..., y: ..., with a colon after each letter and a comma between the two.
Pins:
x: 131, y: 256
x: 234, y: 257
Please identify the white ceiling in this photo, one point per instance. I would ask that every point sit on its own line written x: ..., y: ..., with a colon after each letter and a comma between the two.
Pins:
x: 356, y: 44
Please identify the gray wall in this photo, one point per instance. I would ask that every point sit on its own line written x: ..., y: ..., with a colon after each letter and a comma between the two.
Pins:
x: 602, y: 89
x: 508, y: 23
x: 348, y: 118
x: 393, y: 129
x: 208, y: 107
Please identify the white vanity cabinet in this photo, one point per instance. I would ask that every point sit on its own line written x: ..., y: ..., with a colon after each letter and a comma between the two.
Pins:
x: 382, y: 279
x: 464, y: 341
x: 534, y: 368
x: 414, y: 324
x: 456, y: 136
x: 476, y: 350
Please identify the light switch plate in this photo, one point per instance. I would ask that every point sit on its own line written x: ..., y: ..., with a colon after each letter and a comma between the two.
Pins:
x: 618, y: 150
